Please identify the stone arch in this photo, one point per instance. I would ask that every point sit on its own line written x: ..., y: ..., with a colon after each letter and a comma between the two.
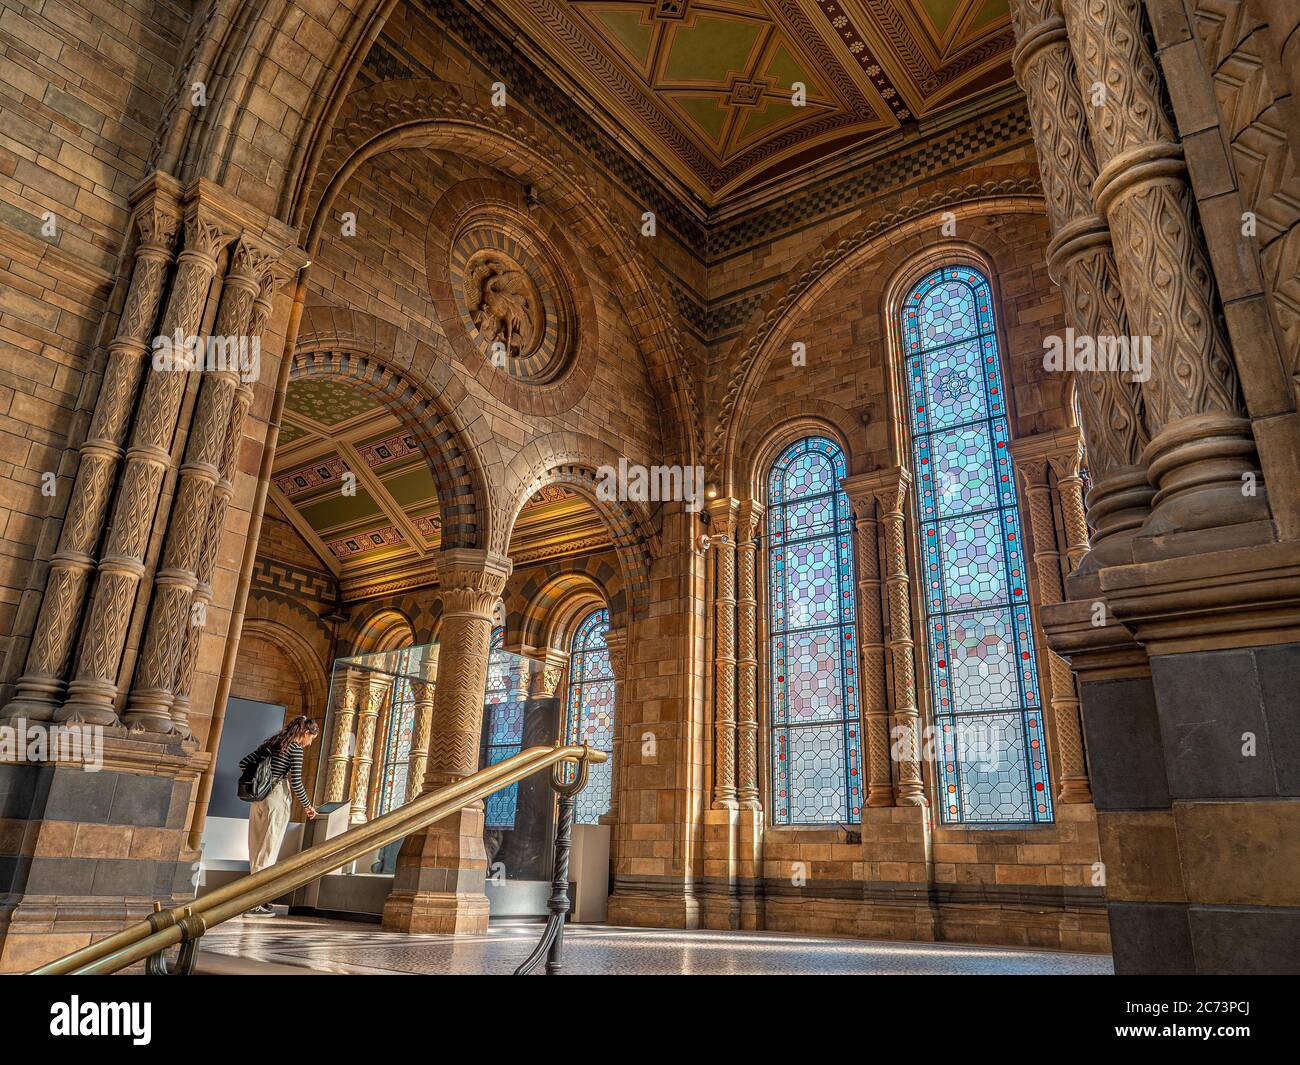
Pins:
x: 380, y: 628
x: 900, y: 232
x: 298, y: 652
x: 538, y: 609
x: 405, y: 376
x: 764, y: 440
x: 572, y: 460
x: 433, y: 114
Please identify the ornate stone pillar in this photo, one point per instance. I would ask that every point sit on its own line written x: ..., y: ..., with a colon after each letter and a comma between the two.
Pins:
x: 722, y: 533
x: 1202, y: 449
x: 422, y: 691
x: 340, y: 756
x: 438, y: 886
x: 891, y: 497
x: 371, y: 702
x: 1080, y: 259
x: 862, y: 491
x: 748, y: 522
x: 41, y: 687
x: 176, y: 580
x: 616, y: 642
x: 1034, y: 458
x: 92, y: 692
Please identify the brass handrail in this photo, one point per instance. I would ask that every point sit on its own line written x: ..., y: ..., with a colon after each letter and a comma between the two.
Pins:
x: 187, y: 923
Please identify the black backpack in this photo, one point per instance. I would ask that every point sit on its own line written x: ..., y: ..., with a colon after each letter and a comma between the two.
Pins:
x: 256, y: 782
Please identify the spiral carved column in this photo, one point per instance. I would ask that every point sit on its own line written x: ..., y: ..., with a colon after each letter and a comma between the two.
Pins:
x: 722, y: 532
x: 873, y: 684
x: 42, y: 685
x: 422, y: 696
x: 1202, y: 449
x: 906, y: 719
x: 340, y: 756
x: 1082, y: 261
x: 92, y: 692
x: 177, y: 577
x: 369, y: 706
x: 747, y: 524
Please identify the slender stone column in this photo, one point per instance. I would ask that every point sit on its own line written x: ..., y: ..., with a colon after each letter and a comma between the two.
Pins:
x: 891, y: 498
x: 340, y: 756
x: 1202, y: 449
x: 176, y: 581
x: 748, y: 521
x: 1081, y: 260
x: 43, y: 682
x: 616, y: 643
x: 438, y: 886
x: 1034, y: 457
x: 422, y: 691
x: 722, y: 532
x: 861, y: 491
x: 92, y: 693
x: 369, y: 706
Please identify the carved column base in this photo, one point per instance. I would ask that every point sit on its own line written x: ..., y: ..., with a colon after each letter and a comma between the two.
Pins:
x: 91, y: 703
x: 1206, y: 474
x: 1118, y: 506
x: 439, y: 883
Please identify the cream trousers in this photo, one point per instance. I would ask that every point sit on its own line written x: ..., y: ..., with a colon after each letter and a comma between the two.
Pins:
x: 267, y: 823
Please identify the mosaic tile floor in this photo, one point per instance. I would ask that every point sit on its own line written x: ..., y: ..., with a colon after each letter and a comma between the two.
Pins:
x: 598, y: 950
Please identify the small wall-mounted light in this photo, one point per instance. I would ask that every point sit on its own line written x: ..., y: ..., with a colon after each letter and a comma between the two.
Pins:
x: 710, y: 491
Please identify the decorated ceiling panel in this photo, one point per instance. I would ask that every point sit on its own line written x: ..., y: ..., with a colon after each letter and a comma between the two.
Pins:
x: 707, y: 86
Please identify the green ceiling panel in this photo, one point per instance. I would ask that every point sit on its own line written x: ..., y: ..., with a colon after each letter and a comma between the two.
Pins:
x: 337, y: 509
x: 413, y: 486
x: 992, y: 11
x: 626, y: 27
x: 710, y: 50
x: 705, y: 111
x: 787, y: 70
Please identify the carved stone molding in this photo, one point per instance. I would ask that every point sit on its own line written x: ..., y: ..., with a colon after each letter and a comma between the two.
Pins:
x: 722, y: 533
x: 749, y: 520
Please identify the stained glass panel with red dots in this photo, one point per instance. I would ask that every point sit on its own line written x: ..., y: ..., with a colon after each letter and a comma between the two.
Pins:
x: 991, y: 755
x: 816, y: 731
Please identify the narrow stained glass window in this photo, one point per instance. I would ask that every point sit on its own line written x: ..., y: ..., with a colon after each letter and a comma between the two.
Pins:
x: 589, y: 717
x: 991, y: 754
x: 503, y: 726
x: 815, y: 734
x: 397, y: 740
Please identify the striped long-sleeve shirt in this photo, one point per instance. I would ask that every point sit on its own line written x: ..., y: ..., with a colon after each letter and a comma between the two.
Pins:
x: 287, y: 762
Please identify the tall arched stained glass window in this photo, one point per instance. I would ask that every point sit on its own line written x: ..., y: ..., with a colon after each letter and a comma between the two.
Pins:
x: 503, y: 726
x: 396, y: 753
x: 992, y: 765
x: 589, y: 717
x: 815, y: 734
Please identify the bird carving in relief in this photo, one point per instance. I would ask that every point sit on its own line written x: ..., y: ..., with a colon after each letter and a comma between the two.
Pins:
x: 505, y: 304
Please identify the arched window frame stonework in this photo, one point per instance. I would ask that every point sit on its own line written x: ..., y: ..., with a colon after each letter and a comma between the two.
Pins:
x: 934, y: 659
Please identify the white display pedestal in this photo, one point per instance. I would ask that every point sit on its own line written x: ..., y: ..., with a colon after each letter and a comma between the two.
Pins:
x: 589, y: 873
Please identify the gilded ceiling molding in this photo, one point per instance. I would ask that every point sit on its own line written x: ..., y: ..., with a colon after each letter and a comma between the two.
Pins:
x: 819, y: 270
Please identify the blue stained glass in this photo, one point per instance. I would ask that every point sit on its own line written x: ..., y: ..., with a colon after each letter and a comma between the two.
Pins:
x: 396, y: 751
x: 816, y: 734
x: 589, y: 714
x: 992, y: 766
x: 503, y: 726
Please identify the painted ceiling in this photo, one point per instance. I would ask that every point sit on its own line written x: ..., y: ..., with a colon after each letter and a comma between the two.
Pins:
x: 384, y: 519
x: 706, y: 86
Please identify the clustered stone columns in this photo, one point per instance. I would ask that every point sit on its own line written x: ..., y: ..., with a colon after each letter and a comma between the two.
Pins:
x: 749, y: 518
x: 722, y: 534
x: 872, y: 679
x: 1201, y: 447
x: 616, y: 644
x: 422, y: 697
x: 438, y: 886
x: 1081, y: 260
x: 370, y: 706
x: 341, y: 744
x: 1035, y: 457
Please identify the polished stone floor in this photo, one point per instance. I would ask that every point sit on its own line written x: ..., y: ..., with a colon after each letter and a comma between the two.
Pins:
x: 339, y: 947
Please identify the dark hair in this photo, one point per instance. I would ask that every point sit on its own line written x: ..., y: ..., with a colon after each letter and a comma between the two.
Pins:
x: 293, y: 732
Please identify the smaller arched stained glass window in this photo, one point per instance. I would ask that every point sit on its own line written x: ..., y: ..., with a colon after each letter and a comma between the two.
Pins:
x: 503, y: 726
x: 589, y: 717
x: 815, y: 736
x: 992, y: 761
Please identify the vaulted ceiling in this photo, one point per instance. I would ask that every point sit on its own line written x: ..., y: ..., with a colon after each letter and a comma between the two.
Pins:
x: 384, y: 521
x: 706, y: 87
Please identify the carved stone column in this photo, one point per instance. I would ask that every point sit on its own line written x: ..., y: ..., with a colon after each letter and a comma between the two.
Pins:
x: 722, y: 532
x: 92, y: 692
x: 438, y: 886
x: 1034, y: 457
x: 340, y: 756
x: 369, y: 706
x: 42, y: 685
x: 422, y: 692
x: 748, y: 521
x: 862, y: 491
x: 177, y: 578
x: 1202, y: 449
x: 616, y: 643
x: 891, y: 498
x: 1080, y: 259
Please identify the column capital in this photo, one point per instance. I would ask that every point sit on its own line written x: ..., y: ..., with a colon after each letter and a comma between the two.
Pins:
x: 471, y: 580
x: 722, y: 517
x: 888, y: 487
x: 749, y: 516
x: 1061, y: 451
